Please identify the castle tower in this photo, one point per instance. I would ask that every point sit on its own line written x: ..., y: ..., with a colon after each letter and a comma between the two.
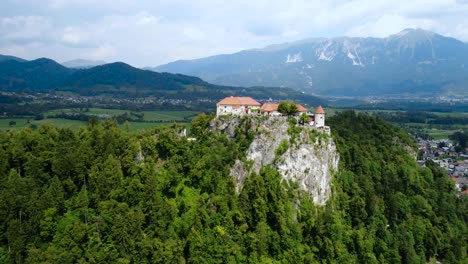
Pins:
x: 319, y: 117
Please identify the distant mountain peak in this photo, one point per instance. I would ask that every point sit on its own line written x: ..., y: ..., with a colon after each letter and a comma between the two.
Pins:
x: 45, y: 62
x: 413, y: 60
x: 82, y: 63
x: 117, y: 64
x: 415, y: 30
x: 413, y: 33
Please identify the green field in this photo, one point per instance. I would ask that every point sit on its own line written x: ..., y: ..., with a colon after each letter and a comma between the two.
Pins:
x: 147, y: 115
x: 160, y: 118
x: 23, y: 122
x: 440, y: 134
x: 452, y: 114
x: 169, y: 115
x: 332, y: 111
x: 75, y: 124
x: 20, y: 122
x: 436, y: 132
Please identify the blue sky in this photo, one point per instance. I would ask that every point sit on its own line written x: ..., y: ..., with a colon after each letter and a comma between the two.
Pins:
x: 153, y: 32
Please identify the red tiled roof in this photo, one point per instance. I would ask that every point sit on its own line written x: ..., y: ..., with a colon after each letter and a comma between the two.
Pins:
x: 238, y: 101
x: 319, y: 110
x: 269, y: 107
x: 301, y: 108
x: 465, y: 191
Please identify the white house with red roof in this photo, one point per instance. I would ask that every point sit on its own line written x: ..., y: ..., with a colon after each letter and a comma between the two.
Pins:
x: 272, y: 109
x: 237, y: 106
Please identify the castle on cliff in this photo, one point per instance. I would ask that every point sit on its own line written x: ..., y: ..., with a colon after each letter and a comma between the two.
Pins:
x: 248, y: 106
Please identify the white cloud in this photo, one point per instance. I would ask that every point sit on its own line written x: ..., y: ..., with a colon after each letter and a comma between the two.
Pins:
x: 146, y: 19
x: 20, y: 28
x: 63, y: 4
x: 73, y: 35
x: 148, y: 32
x: 387, y: 25
x: 101, y: 52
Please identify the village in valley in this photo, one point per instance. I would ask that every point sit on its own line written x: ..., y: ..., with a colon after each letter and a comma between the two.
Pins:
x: 447, y: 156
x: 241, y: 106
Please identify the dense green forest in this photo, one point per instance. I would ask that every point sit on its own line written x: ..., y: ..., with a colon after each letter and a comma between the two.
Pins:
x: 108, y: 195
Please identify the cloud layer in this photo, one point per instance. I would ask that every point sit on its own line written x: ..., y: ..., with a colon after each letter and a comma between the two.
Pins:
x: 149, y: 33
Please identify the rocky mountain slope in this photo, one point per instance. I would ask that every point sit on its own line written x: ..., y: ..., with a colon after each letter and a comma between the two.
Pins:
x: 301, y: 155
x: 414, y: 61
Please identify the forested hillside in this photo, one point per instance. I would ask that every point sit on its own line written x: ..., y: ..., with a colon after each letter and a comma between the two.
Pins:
x: 124, y: 81
x: 107, y: 195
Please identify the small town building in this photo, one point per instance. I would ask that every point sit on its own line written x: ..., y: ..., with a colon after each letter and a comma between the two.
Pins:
x: 272, y: 109
x: 301, y: 109
x: 237, y: 106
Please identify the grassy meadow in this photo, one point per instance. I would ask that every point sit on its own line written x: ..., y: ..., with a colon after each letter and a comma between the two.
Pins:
x: 150, y: 119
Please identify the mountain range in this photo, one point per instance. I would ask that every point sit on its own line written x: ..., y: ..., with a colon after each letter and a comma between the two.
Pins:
x: 7, y: 58
x: 120, y: 79
x: 412, y: 62
x: 82, y: 64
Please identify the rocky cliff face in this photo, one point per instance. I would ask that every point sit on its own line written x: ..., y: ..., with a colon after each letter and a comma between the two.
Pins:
x: 299, y: 153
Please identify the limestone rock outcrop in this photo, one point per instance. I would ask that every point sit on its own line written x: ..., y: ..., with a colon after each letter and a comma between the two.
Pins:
x: 309, y: 158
